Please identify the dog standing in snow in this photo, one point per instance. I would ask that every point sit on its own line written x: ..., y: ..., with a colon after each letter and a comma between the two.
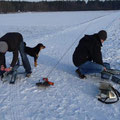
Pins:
x: 34, y: 52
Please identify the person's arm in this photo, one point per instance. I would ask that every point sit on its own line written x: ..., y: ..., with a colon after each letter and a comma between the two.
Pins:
x: 2, y: 59
x: 97, y: 55
x: 15, y: 58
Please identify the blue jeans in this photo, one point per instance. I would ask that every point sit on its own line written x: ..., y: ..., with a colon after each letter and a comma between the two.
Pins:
x: 90, y: 67
x: 25, y: 60
x: 105, y: 75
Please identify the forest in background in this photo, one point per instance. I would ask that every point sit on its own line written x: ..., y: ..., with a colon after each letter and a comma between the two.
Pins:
x: 62, y: 5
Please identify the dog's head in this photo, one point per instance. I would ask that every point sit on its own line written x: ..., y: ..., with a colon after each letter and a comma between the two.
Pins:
x: 41, y: 46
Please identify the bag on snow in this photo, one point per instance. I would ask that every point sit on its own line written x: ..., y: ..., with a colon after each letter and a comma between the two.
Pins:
x: 108, y: 94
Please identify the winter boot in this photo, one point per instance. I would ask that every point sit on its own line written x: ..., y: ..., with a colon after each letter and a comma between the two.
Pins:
x: 82, y: 76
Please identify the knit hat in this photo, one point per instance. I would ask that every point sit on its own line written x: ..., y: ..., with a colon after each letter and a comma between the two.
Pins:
x: 3, y: 47
x: 102, y: 34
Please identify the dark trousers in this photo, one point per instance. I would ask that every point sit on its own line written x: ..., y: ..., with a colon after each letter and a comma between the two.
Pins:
x: 26, y: 63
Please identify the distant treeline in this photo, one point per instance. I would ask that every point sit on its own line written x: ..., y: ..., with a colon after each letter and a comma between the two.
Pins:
x: 63, y: 5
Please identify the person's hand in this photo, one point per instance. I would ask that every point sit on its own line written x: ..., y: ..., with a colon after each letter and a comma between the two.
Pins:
x: 5, y: 69
x: 8, y: 69
x: 105, y: 69
x: 2, y: 68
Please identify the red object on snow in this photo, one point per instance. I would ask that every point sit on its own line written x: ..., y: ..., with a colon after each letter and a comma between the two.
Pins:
x: 50, y: 83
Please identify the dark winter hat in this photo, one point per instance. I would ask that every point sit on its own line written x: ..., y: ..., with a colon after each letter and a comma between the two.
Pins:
x: 3, y: 47
x: 102, y: 34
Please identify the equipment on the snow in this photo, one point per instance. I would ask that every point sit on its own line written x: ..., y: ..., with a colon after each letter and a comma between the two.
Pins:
x: 111, y: 74
x: 108, y: 94
x: 44, y: 82
x: 113, y: 71
x: 116, y: 79
x: 12, y: 73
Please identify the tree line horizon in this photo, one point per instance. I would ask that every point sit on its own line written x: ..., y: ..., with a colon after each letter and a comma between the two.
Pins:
x: 63, y: 5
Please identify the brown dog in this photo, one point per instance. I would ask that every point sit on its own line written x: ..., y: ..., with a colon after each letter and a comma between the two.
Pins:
x: 34, y: 52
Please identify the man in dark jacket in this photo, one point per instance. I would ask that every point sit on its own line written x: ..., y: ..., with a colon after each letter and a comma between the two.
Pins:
x: 13, y: 42
x: 87, y: 55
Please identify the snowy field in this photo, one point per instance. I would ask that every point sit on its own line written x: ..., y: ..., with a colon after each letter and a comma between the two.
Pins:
x: 70, y: 98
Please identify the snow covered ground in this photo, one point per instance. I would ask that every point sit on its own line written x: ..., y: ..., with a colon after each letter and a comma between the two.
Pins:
x: 70, y: 98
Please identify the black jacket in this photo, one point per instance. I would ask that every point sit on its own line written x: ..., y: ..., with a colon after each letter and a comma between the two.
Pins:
x: 13, y: 40
x: 88, y: 49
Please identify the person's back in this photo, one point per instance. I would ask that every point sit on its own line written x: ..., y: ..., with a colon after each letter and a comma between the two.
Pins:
x: 13, y: 39
x: 88, y: 49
